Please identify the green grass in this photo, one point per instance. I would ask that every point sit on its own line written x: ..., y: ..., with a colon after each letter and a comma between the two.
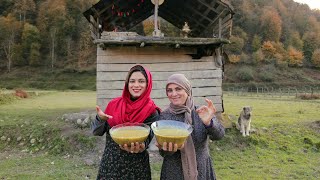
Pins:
x: 44, y: 167
x: 285, y: 145
x: 40, y: 118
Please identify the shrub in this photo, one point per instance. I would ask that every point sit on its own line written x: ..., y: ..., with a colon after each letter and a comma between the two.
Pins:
x: 252, y: 86
x: 266, y: 76
x: 309, y: 96
x: 245, y: 74
x: 6, y: 98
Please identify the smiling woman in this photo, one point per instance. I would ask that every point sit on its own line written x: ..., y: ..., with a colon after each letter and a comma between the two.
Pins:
x: 313, y: 4
x: 129, y: 160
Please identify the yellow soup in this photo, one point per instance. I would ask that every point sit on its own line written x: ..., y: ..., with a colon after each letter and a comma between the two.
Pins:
x: 128, y: 135
x: 176, y: 136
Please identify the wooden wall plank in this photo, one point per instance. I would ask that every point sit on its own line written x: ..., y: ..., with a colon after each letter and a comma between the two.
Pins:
x: 161, y: 93
x: 158, y: 76
x: 142, y: 59
x: 183, y: 66
x: 129, y: 50
x: 110, y: 85
x: 163, y: 103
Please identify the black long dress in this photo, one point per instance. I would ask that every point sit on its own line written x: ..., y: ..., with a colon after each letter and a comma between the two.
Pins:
x: 118, y: 164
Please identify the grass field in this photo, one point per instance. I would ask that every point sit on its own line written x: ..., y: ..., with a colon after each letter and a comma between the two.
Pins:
x: 285, y: 144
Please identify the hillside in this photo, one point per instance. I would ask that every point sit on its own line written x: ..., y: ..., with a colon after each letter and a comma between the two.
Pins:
x: 268, y: 75
x: 235, y: 76
x: 55, y: 35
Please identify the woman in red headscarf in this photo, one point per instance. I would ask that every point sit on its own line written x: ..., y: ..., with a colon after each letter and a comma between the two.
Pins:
x: 134, y: 106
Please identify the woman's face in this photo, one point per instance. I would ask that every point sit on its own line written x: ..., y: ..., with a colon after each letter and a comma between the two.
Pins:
x: 176, y: 94
x: 137, y: 84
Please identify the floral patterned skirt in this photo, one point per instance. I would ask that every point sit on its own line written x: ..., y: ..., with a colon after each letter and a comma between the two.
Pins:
x: 117, y: 164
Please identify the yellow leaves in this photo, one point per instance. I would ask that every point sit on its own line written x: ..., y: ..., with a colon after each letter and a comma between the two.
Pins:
x: 234, y: 58
x: 268, y: 49
x: 267, y: 46
x: 295, y: 57
x: 148, y: 26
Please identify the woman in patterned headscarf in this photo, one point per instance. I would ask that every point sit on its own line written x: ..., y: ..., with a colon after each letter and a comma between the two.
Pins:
x: 135, y: 106
x: 191, y: 161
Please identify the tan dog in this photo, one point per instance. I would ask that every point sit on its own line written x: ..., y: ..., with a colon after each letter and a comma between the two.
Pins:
x: 244, y: 120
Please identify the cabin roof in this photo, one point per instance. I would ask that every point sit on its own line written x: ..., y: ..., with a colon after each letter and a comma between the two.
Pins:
x: 202, y: 16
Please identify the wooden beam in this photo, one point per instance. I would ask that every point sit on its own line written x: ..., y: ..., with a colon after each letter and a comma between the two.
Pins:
x: 217, y: 18
x: 208, y: 5
x: 197, y: 12
x: 188, y: 18
x: 225, y: 19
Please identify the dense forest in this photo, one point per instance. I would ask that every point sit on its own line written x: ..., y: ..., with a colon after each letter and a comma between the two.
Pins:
x: 54, y: 34
x: 45, y: 33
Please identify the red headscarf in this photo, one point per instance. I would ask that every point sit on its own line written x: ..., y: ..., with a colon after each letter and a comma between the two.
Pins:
x: 123, y: 109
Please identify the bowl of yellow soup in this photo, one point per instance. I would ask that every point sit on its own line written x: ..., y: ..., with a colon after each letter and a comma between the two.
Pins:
x: 171, y: 131
x: 129, y: 133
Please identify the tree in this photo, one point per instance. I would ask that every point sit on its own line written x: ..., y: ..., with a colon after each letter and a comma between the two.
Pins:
x: 21, y: 7
x: 30, y: 42
x: 258, y: 56
x: 311, y: 40
x: 316, y: 58
x: 9, y: 28
x: 294, y: 40
x: 268, y: 50
x: 271, y: 25
x: 256, y: 43
x: 51, y: 21
x: 236, y: 46
x: 5, y: 6
x: 295, y: 57
x: 34, y: 57
x: 234, y: 59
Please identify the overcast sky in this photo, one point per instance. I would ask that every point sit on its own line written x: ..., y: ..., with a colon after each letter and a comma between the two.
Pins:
x: 313, y: 4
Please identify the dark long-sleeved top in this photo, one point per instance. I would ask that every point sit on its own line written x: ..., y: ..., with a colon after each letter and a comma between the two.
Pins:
x: 172, y: 165
x: 119, y: 164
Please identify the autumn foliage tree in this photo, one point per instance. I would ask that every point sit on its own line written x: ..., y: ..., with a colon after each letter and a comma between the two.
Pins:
x: 295, y: 57
x: 271, y: 24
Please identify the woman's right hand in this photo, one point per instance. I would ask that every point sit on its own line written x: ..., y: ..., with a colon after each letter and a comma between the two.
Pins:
x: 102, y: 115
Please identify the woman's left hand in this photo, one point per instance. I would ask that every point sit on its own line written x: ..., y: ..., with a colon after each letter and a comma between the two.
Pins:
x: 206, y: 113
x: 169, y: 146
x: 134, y: 147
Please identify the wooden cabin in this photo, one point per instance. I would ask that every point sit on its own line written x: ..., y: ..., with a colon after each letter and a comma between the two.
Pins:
x: 198, y: 56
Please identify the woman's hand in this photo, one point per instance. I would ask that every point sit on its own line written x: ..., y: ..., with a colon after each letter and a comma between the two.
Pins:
x: 134, y: 147
x: 169, y: 146
x: 206, y: 113
x: 102, y: 115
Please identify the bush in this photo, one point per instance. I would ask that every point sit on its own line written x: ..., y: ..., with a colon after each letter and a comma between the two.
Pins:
x: 245, y: 74
x: 252, y: 86
x: 7, y: 98
x: 266, y: 76
x: 309, y: 96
